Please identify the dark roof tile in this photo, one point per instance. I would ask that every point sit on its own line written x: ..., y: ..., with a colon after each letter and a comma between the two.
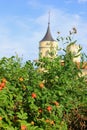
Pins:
x: 48, y: 36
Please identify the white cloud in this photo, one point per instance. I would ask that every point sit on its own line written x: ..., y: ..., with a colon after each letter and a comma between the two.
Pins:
x: 34, y: 3
x: 29, y: 32
x: 80, y: 1
x: 23, y: 40
x: 64, y: 22
x: 68, y: 1
x: 67, y: 21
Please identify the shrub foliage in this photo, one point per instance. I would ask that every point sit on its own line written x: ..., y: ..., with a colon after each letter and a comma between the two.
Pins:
x: 42, y: 95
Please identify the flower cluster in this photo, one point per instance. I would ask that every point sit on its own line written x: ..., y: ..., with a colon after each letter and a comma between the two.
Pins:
x: 3, y: 83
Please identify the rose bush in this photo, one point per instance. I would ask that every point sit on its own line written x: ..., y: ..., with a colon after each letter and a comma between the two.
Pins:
x: 41, y: 95
x: 34, y: 99
x: 25, y: 100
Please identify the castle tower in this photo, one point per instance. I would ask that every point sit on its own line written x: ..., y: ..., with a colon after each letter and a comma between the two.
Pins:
x: 48, y: 46
x: 74, y: 49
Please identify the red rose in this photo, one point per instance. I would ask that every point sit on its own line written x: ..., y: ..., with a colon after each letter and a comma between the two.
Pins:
x: 2, y: 85
x: 49, y: 108
x: 23, y: 127
x: 0, y: 88
x: 34, y: 95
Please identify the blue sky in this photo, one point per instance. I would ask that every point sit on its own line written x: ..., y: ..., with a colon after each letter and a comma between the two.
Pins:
x: 23, y: 23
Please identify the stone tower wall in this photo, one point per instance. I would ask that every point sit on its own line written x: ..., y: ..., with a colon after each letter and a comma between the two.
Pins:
x: 74, y: 50
x: 45, y: 47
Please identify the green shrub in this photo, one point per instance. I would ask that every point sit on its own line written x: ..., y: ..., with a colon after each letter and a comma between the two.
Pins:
x: 41, y: 95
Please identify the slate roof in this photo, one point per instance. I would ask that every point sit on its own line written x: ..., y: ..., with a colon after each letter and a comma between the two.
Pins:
x: 48, y: 36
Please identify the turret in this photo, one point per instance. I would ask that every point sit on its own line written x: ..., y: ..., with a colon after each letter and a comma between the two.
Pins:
x: 48, y: 46
x: 74, y: 49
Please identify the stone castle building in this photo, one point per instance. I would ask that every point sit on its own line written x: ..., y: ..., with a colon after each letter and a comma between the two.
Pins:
x: 74, y: 49
x: 48, y: 47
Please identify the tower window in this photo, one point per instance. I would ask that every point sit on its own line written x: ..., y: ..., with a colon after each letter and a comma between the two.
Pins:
x: 47, y: 53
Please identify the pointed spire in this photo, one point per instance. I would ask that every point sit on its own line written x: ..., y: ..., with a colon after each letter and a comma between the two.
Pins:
x: 49, y: 18
x: 48, y: 36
